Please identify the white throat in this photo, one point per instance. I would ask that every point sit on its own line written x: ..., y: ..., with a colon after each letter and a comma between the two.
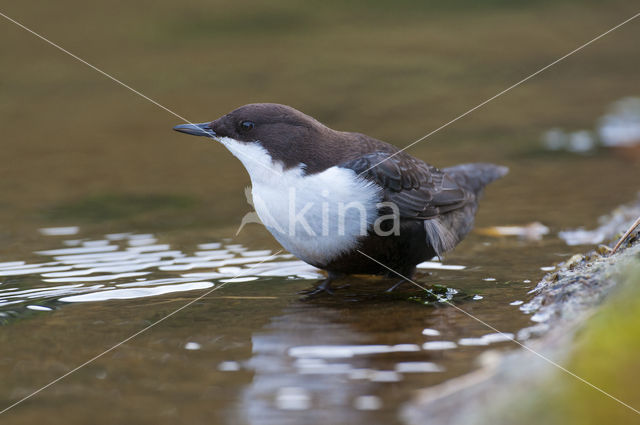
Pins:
x: 316, y: 217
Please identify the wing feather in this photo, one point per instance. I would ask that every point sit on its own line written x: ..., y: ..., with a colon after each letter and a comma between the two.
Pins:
x: 419, y: 190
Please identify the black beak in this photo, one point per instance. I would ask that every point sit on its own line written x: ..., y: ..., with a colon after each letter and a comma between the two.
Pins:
x: 201, y: 129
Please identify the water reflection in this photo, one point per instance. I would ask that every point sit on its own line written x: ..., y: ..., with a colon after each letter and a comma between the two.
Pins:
x: 302, y: 390
x: 322, y: 361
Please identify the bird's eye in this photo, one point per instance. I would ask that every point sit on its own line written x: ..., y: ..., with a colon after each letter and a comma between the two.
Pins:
x: 247, y: 125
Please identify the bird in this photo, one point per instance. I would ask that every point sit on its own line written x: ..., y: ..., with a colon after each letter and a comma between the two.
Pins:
x: 345, y: 202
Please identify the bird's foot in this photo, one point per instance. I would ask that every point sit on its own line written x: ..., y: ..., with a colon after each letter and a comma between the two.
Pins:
x: 323, y: 287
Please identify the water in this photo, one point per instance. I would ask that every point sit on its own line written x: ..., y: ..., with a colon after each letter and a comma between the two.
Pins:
x: 251, y: 350
x: 111, y: 221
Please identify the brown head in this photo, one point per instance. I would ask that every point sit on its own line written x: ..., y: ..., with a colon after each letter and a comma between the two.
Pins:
x: 288, y: 135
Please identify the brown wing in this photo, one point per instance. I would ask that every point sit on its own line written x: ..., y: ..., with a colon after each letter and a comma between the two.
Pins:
x: 419, y: 190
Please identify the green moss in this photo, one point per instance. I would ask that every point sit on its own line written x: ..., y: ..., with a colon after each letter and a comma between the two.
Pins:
x: 607, y: 356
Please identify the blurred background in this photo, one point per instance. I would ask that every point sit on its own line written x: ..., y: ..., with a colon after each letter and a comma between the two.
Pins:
x: 77, y: 146
x: 79, y: 150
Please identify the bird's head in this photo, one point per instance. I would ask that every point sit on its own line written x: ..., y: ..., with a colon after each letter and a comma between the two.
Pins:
x: 286, y: 135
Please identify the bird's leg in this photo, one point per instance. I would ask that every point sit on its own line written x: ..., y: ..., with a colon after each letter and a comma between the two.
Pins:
x: 396, y: 285
x: 406, y: 277
x: 324, y: 286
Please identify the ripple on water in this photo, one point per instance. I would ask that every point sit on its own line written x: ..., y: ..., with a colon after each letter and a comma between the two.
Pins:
x: 418, y: 367
x: 229, y: 366
x: 109, y: 261
x: 9, y: 264
x: 192, y: 346
x: 487, y: 339
x: 367, y: 402
x: 439, y: 345
x: 439, y: 265
x: 60, y: 231
x: 293, y: 398
x: 39, y: 308
x: 346, y: 351
x: 131, y: 293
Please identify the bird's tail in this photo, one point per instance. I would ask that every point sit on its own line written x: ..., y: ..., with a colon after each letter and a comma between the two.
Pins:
x: 476, y: 176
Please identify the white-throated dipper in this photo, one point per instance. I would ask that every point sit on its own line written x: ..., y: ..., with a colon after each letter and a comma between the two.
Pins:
x: 329, y: 196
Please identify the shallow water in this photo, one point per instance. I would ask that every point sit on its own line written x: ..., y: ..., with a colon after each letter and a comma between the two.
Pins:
x: 140, y: 222
x: 251, y: 350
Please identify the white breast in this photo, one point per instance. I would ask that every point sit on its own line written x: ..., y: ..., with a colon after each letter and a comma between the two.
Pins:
x: 315, y: 217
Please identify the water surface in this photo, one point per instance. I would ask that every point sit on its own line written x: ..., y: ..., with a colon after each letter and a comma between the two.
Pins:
x: 142, y: 221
